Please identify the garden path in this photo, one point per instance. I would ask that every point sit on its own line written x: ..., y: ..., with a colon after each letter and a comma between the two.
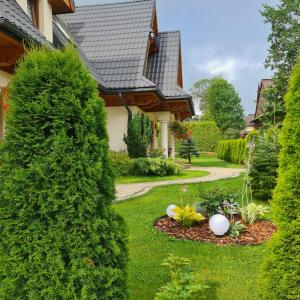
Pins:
x: 126, y: 191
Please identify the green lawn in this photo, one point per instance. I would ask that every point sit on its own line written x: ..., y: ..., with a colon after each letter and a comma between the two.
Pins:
x: 231, y: 271
x: 206, y: 161
x: 183, y: 175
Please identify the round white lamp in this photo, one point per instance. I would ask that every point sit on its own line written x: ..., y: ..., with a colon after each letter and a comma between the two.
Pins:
x: 219, y: 224
x: 170, y: 211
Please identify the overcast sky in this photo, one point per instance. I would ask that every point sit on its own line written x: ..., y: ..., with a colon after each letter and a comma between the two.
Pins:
x: 219, y: 37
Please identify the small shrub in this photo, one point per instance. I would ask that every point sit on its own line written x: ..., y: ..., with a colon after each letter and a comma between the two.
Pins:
x: 264, y: 164
x: 251, y: 212
x: 153, y: 167
x: 236, y: 229
x: 187, y: 216
x: 155, y: 153
x: 188, y: 150
x: 184, y: 284
x: 120, y: 162
x: 215, y: 201
x: 206, y: 135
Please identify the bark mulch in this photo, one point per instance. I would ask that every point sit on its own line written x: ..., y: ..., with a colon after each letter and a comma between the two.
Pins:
x: 254, y: 234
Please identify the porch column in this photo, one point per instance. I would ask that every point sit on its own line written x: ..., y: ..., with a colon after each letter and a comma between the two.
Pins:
x: 154, y: 138
x: 164, y: 128
x: 172, y: 145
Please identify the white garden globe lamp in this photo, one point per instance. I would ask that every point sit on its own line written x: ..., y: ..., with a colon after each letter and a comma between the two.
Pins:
x: 170, y: 211
x: 219, y: 224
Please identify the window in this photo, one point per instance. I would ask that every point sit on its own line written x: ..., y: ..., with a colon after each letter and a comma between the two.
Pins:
x: 32, y: 6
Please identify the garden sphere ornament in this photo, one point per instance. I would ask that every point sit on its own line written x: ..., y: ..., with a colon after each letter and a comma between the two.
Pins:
x: 170, y: 210
x: 219, y: 224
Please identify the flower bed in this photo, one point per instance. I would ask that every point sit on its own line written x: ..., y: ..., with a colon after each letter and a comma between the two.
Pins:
x: 253, y: 234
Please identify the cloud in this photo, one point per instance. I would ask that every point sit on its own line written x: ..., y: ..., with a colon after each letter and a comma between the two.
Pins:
x: 228, y: 67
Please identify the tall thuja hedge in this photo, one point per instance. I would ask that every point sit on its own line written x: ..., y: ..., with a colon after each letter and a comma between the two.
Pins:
x: 60, y: 237
x: 280, y: 276
x: 233, y: 150
x: 206, y: 135
x: 139, y: 135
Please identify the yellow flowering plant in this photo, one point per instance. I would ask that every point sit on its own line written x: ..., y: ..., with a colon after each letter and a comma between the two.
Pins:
x: 187, y: 215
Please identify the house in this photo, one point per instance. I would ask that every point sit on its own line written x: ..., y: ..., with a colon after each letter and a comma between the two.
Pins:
x: 137, y: 67
x: 249, y: 122
x: 261, y: 101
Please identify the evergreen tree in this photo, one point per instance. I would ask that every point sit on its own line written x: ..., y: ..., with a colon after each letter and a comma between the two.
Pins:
x: 139, y: 135
x: 60, y: 237
x: 284, y: 49
x: 188, y: 149
x: 280, y: 277
x: 224, y: 105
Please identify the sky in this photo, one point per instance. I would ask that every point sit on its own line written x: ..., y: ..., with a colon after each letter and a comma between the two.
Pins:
x: 219, y: 37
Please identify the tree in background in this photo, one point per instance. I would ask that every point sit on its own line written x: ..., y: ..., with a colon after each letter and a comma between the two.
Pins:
x: 283, y: 53
x: 199, y: 90
x: 139, y: 135
x: 188, y: 149
x: 206, y: 135
x: 224, y: 105
x: 280, y: 275
x: 60, y: 237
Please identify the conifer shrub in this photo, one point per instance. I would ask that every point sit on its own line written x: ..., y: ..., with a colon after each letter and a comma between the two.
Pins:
x: 139, y: 135
x: 264, y: 164
x: 280, y: 274
x: 234, y: 151
x: 206, y: 135
x: 60, y: 237
x: 188, y: 150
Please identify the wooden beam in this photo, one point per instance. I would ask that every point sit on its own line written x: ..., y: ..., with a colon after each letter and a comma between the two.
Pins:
x: 62, y: 6
x: 10, y: 55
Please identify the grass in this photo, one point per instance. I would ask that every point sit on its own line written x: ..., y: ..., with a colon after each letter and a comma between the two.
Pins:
x: 183, y: 175
x: 231, y: 271
x: 212, y: 161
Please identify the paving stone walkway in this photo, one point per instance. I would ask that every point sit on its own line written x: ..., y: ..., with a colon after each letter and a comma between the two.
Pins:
x: 126, y: 191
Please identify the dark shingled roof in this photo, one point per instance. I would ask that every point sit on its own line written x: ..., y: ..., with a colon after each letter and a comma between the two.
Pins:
x: 114, y: 37
x: 16, y: 21
x: 163, y: 65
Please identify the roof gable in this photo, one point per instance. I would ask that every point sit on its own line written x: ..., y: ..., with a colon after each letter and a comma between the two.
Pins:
x: 114, y: 37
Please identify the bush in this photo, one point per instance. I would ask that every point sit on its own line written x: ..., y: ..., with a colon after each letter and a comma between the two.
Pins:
x: 234, y: 151
x: 120, y: 162
x: 153, y: 167
x: 188, y: 150
x: 60, y: 237
x: 264, y: 164
x: 139, y: 135
x: 231, y: 134
x: 280, y: 277
x: 183, y: 284
x: 187, y: 216
x: 206, y: 135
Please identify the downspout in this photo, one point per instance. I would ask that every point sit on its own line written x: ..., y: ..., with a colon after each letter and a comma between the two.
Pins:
x: 123, y: 102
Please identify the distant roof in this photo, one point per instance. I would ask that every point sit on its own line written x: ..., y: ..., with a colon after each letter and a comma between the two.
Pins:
x: 249, y: 119
x: 114, y: 37
x: 163, y: 65
x: 260, y: 101
x: 15, y: 20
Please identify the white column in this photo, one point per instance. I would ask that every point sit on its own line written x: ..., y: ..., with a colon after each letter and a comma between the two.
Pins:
x: 172, y: 145
x: 154, y: 138
x: 164, y: 128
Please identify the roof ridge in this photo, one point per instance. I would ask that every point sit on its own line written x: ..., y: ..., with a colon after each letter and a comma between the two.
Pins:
x: 115, y: 3
x: 169, y: 31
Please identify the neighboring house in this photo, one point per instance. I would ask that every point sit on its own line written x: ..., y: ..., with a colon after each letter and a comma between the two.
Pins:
x: 249, y: 121
x: 261, y: 101
x: 136, y: 66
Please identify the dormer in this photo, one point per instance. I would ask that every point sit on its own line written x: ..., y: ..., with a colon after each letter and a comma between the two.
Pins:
x: 153, y: 43
x: 42, y: 11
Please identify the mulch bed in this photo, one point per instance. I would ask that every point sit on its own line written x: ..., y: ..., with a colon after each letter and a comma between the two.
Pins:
x: 254, y: 234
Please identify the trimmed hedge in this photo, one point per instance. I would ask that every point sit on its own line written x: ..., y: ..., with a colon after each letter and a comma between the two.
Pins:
x: 206, y: 135
x: 280, y: 274
x: 234, y: 151
x: 60, y: 237
x: 120, y: 162
x: 153, y: 167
